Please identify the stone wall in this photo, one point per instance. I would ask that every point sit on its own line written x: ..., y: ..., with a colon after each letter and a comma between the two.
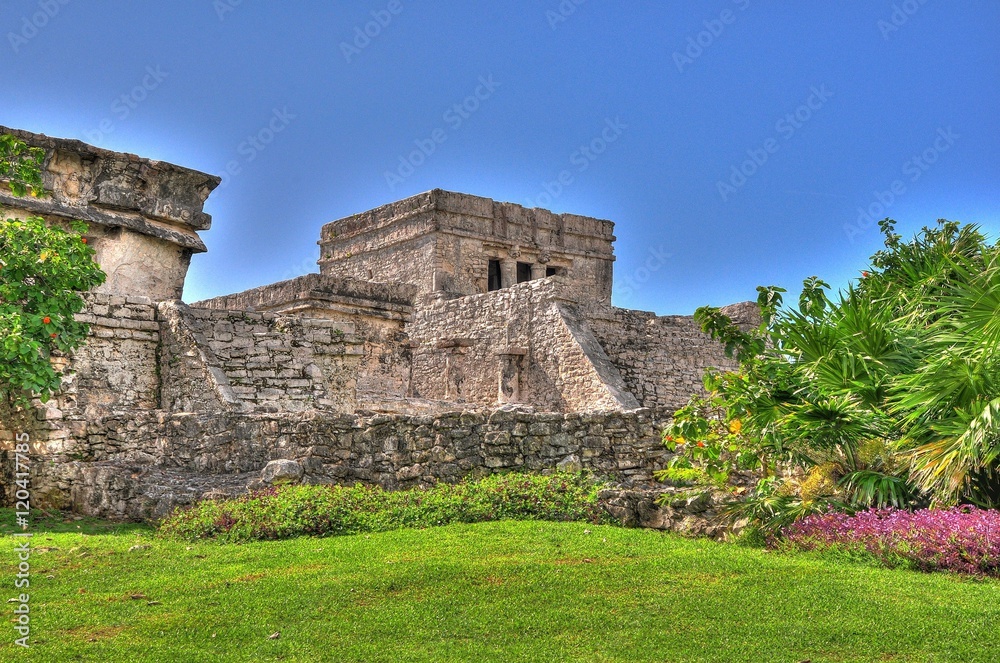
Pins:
x: 377, y: 311
x: 138, y: 465
x: 546, y: 344
x: 521, y: 344
x: 143, y: 358
x: 590, y: 380
x: 662, y: 358
x: 322, y: 295
x: 278, y: 362
x: 192, y: 377
x: 408, y: 259
x: 116, y: 367
x: 142, y: 466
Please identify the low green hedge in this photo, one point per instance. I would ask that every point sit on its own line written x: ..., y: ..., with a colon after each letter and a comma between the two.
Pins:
x: 321, y: 510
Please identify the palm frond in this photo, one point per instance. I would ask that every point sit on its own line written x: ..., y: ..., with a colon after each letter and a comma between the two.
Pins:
x: 869, y: 488
x: 944, y: 465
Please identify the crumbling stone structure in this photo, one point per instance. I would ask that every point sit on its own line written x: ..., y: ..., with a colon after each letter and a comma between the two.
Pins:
x: 144, y: 215
x: 465, y: 245
x: 444, y: 335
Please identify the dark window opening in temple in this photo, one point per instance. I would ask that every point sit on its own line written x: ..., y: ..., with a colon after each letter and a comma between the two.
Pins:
x: 493, y: 276
x: 555, y: 271
x: 523, y: 272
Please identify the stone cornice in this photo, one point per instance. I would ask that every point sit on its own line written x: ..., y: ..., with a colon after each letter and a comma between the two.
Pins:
x: 117, y: 189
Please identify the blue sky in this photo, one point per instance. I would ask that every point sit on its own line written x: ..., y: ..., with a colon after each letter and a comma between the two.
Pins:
x: 644, y: 114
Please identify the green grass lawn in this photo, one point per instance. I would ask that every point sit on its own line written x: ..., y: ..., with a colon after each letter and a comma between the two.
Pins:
x: 505, y: 591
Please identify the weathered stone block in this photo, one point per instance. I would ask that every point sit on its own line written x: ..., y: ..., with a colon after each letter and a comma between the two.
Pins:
x: 282, y: 471
x: 570, y: 463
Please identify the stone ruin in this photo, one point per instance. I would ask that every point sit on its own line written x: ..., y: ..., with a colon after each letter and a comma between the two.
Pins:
x: 445, y: 335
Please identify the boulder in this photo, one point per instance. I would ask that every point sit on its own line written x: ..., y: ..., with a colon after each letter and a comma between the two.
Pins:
x: 570, y: 463
x: 281, y: 471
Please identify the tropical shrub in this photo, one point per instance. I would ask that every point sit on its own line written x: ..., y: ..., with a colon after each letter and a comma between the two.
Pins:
x: 886, y: 395
x: 43, y: 270
x: 323, y: 510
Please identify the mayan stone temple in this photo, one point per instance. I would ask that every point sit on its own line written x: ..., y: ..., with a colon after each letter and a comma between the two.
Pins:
x: 444, y: 335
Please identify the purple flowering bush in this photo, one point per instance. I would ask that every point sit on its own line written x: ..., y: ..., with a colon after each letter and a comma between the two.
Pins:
x: 960, y: 539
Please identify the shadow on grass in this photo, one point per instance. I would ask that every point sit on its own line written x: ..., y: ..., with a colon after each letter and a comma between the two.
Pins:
x: 52, y: 521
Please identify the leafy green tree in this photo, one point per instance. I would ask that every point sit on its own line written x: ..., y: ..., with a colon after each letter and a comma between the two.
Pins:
x: 21, y: 166
x: 43, y: 270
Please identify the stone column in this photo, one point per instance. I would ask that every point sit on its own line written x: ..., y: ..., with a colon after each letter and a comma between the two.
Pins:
x: 537, y: 271
x: 447, y: 374
x: 509, y: 387
x: 508, y: 273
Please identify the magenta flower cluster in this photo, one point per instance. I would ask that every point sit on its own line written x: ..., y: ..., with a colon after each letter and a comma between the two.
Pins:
x: 961, y: 539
